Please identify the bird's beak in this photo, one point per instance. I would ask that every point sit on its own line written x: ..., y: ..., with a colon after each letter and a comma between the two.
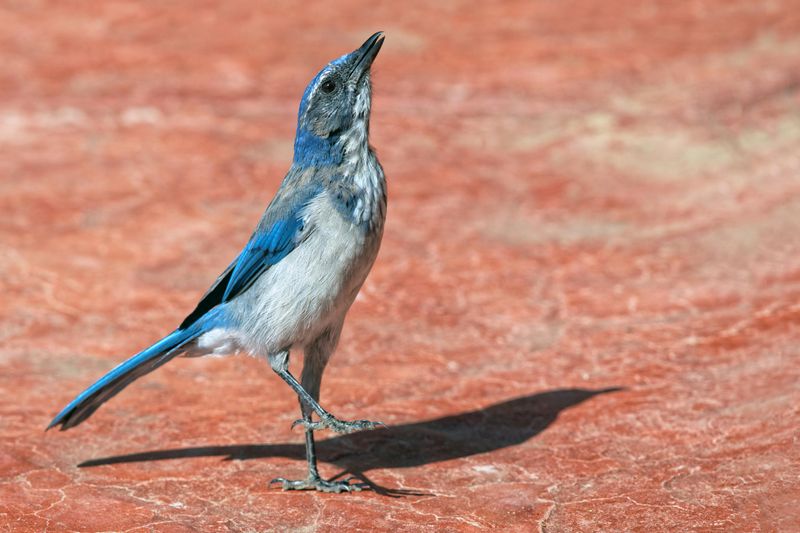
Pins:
x: 366, y: 54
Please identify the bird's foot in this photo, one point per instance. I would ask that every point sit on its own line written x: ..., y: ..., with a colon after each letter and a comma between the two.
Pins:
x: 319, y: 484
x: 339, y: 426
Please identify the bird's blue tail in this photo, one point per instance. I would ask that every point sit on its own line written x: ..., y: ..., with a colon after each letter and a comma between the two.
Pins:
x: 123, y: 375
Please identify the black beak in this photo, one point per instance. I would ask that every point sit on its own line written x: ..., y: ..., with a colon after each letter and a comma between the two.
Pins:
x: 366, y: 54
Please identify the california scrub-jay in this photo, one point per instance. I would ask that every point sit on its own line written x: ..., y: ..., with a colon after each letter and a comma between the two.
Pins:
x: 291, y: 286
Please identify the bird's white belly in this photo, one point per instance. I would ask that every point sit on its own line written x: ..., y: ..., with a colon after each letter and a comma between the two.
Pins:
x: 311, y: 288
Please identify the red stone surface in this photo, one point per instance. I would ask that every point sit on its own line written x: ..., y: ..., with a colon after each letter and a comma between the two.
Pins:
x: 583, y: 196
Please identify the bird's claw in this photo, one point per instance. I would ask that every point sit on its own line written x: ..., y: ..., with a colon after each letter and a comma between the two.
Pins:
x: 339, y: 426
x: 318, y: 484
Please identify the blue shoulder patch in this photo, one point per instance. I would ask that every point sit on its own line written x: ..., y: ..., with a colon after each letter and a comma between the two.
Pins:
x: 313, y: 150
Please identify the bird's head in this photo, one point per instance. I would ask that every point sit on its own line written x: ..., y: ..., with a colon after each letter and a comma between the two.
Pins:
x: 334, y: 112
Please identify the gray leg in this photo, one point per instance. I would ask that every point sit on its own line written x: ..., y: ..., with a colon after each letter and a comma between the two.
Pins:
x: 280, y: 364
x: 316, y: 357
x: 311, y: 450
x: 314, y: 481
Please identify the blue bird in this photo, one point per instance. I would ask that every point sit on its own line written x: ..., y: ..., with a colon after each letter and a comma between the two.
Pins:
x: 293, y: 283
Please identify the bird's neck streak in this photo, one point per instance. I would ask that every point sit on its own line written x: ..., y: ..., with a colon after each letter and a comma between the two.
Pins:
x: 345, y: 149
x: 357, y: 177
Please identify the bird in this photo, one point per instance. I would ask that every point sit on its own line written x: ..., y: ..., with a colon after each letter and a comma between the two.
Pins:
x: 293, y: 283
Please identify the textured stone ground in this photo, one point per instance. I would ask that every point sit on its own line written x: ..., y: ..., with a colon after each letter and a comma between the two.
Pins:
x: 585, y: 315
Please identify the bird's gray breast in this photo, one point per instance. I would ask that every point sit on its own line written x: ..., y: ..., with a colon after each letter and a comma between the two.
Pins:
x: 313, y: 286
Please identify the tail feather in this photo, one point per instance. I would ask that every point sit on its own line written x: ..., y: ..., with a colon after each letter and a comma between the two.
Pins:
x: 123, y: 375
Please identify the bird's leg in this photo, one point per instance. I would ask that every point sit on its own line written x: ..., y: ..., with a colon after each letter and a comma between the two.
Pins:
x: 280, y: 364
x: 314, y: 481
x: 312, y: 376
x: 311, y: 446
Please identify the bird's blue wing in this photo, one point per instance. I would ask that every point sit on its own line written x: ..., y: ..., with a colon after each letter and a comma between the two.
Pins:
x: 266, y: 248
x: 281, y: 229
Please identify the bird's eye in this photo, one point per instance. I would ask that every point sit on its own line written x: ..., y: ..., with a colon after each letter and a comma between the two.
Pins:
x: 328, y: 86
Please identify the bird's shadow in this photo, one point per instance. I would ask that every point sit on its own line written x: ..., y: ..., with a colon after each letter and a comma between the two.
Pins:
x: 484, y: 430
